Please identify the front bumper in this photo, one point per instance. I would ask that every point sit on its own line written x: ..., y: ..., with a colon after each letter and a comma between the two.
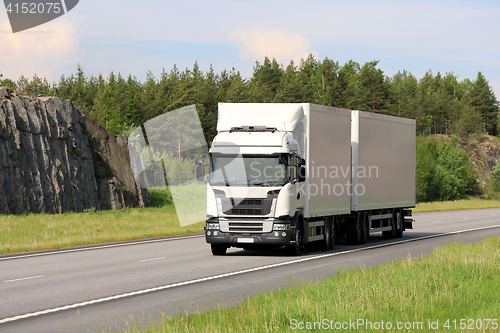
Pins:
x: 240, y: 240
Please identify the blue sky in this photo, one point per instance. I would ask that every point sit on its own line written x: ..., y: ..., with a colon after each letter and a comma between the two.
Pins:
x: 133, y: 37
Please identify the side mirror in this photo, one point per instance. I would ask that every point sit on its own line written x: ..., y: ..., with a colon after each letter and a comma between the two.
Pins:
x: 301, y: 173
x: 200, y: 173
x: 301, y: 161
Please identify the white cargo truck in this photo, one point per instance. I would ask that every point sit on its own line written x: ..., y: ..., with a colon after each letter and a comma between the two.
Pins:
x: 293, y: 174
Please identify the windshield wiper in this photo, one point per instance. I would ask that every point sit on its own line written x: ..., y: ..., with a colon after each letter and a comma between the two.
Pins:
x: 265, y: 182
x: 230, y: 182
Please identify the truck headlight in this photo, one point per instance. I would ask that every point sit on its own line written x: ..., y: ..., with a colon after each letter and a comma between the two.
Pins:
x: 278, y: 226
x: 212, y: 226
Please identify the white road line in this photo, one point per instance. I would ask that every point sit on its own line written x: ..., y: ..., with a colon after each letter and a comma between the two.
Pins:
x: 185, y: 283
x: 467, y: 217
x: 26, y: 278
x: 437, y: 221
x: 151, y: 259
x: 493, y: 214
x: 97, y: 247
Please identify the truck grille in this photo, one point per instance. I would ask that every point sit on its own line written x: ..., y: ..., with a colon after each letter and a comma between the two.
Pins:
x: 243, y: 226
x: 244, y: 211
x: 246, y: 206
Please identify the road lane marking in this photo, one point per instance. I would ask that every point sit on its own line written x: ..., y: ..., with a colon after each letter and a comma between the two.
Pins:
x: 102, y: 247
x: 437, y: 221
x: 26, y: 278
x: 467, y: 217
x: 250, y: 270
x: 151, y: 259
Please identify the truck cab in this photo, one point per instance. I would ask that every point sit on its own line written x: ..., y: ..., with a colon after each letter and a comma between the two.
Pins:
x: 253, y: 188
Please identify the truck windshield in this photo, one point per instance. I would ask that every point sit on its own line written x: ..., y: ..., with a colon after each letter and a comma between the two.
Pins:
x: 248, y: 170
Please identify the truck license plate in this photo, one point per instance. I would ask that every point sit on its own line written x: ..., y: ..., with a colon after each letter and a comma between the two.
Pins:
x: 245, y: 240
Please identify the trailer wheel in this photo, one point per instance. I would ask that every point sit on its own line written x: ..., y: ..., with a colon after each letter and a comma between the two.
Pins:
x: 354, y: 235
x: 365, y: 232
x: 333, y: 232
x: 218, y: 249
x: 294, y: 249
x: 327, y: 241
x: 336, y: 227
x: 399, y: 231
x: 391, y: 233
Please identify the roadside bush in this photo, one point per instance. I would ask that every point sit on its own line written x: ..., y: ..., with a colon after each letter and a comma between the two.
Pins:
x: 443, y: 172
x: 495, y: 178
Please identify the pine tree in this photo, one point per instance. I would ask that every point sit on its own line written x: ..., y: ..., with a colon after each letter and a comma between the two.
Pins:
x: 374, y: 89
x: 107, y: 111
x: 264, y: 83
x: 350, y: 86
x: 484, y: 103
x: 289, y: 89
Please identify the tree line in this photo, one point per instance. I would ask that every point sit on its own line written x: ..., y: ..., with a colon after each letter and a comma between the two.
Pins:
x: 441, y: 104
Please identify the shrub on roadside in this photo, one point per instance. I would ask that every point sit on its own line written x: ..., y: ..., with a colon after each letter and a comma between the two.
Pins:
x: 443, y: 171
x: 495, y: 178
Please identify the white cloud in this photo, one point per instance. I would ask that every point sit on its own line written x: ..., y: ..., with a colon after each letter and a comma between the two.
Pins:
x: 47, y: 51
x: 279, y: 44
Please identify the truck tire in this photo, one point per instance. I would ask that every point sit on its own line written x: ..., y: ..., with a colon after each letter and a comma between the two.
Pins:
x: 333, y: 232
x: 294, y: 249
x: 336, y: 228
x: 365, y: 232
x: 399, y: 231
x: 391, y: 234
x: 327, y: 241
x: 218, y: 249
x: 354, y: 235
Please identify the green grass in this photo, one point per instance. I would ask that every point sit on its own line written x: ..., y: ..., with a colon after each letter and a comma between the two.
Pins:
x: 470, y: 202
x: 457, y: 281
x: 34, y: 232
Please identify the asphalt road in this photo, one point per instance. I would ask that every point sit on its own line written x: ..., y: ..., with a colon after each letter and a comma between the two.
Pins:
x: 108, y: 288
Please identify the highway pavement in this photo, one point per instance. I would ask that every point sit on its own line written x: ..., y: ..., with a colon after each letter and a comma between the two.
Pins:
x: 113, y: 286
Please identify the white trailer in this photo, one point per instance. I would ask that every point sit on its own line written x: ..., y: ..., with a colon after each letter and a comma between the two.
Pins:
x: 293, y: 174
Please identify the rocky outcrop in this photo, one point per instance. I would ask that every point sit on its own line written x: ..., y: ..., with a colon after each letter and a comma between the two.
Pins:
x: 484, y: 154
x: 115, y: 180
x: 53, y: 160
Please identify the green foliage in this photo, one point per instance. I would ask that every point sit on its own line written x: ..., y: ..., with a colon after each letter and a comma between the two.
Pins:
x: 443, y: 172
x: 160, y: 197
x: 440, y: 104
x: 495, y: 178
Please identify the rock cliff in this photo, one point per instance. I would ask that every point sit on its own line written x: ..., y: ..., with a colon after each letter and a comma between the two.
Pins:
x: 484, y: 154
x: 54, y: 160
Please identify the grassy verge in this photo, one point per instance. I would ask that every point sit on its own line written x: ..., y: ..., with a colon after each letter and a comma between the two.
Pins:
x: 33, y: 232
x: 470, y: 203
x: 455, y: 282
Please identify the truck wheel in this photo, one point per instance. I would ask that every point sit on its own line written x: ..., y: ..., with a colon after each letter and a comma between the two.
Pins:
x: 333, y: 233
x: 218, y: 249
x: 365, y: 232
x: 294, y: 250
x: 327, y: 241
x: 354, y: 235
x: 335, y: 228
x: 399, y: 231
x: 391, y: 233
